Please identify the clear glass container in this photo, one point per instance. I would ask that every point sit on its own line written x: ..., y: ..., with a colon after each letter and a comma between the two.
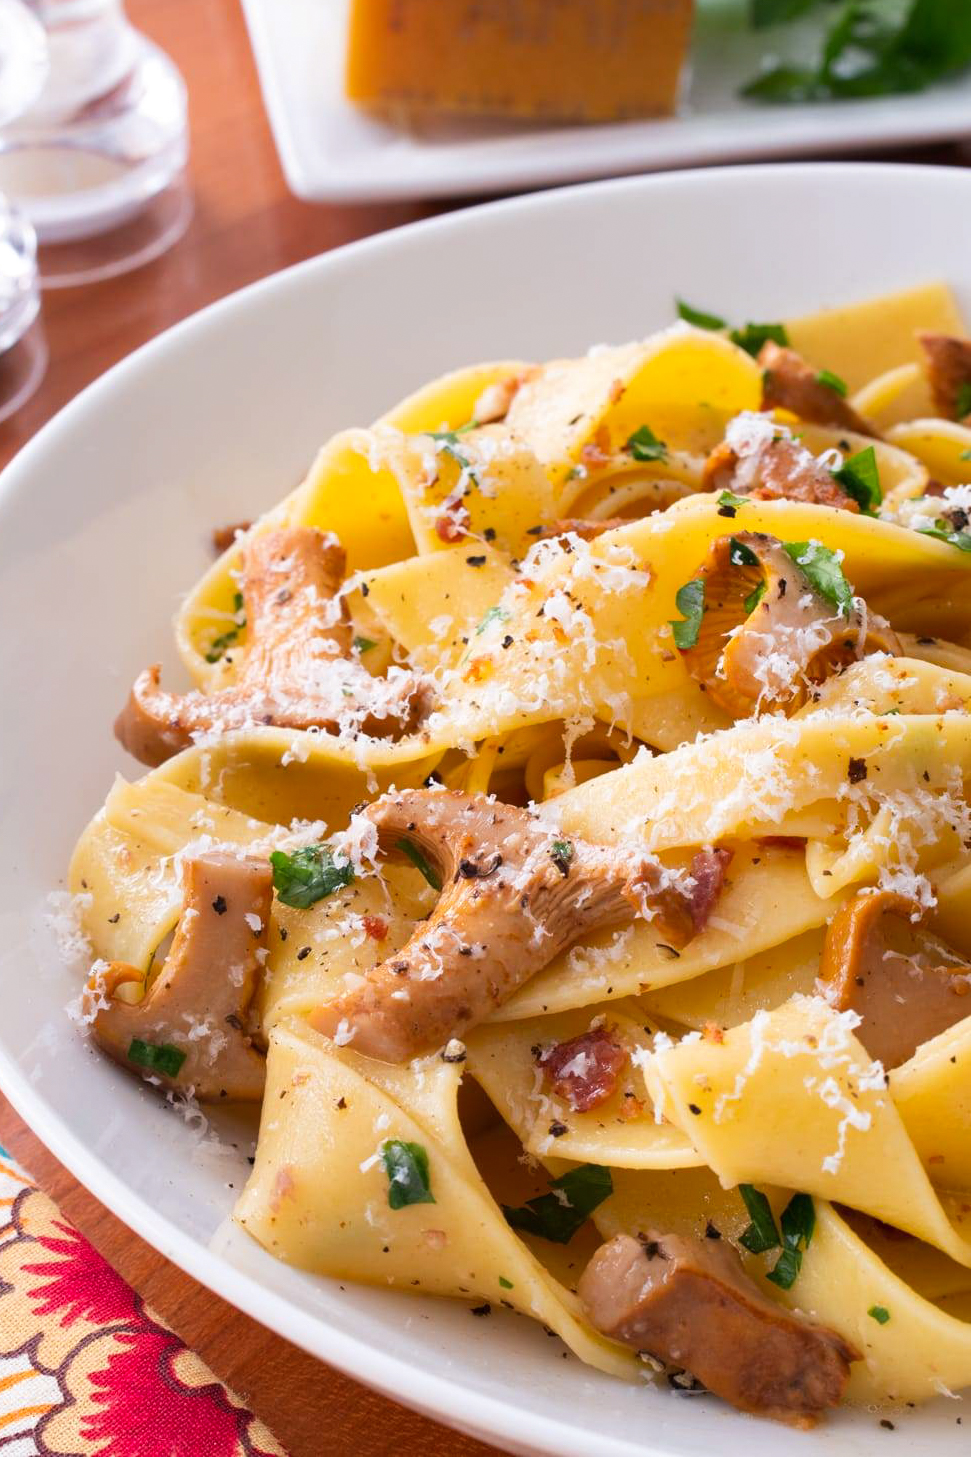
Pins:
x: 97, y: 162
x: 23, y: 354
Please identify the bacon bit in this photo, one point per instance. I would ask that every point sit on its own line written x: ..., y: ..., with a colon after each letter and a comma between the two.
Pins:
x: 284, y: 1187
x: 479, y: 670
x: 630, y: 1108
x: 708, y: 870
x: 436, y: 1239
x: 579, y: 526
x: 597, y: 451
x: 376, y: 927
x: 712, y: 1032
x: 616, y: 391
x: 598, y: 1056
x: 224, y: 536
x: 453, y: 524
x: 782, y: 842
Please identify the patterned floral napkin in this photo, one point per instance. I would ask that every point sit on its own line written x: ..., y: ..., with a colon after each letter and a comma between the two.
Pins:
x: 86, y: 1369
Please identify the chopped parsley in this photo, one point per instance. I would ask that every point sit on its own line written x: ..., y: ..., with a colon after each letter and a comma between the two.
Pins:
x: 943, y: 531
x: 494, y: 614
x: 962, y: 405
x: 583, y: 1189
x: 880, y: 1314
x: 506, y: 1284
x: 752, y: 336
x: 761, y: 1234
x: 561, y: 854
x: 965, y: 455
x: 448, y: 440
x: 866, y: 51
x: 741, y: 555
x: 364, y: 644
x: 406, y: 1165
x: 698, y: 317
x: 158, y: 1057
x: 644, y: 445
x: 225, y: 640
x: 418, y: 860
x: 690, y: 602
x: 754, y: 598
x: 822, y: 570
x: 798, y: 1225
x: 860, y: 478
x: 833, y: 382
x: 729, y: 498
x: 308, y: 875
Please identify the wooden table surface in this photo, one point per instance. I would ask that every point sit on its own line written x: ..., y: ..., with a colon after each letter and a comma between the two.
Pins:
x: 246, y: 225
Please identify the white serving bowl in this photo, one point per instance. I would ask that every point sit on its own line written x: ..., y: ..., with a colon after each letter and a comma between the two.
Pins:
x: 104, y: 520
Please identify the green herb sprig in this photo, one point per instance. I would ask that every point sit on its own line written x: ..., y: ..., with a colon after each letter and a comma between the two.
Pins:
x: 308, y: 875
x: 583, y: 1189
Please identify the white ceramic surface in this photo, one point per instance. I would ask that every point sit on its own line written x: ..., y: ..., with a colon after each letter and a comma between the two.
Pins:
x: 332, y: 152
x: 104, y: 519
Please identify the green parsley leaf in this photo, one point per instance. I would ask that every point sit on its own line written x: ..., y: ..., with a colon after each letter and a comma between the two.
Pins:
x: 833, y: 382
x: 962, y: 405
x: 728, y: 498
x: 860, y: 478
x: 690, y: 602
x: 965, y: 455
x: 506, y: 1284
x: 698, y: 317
x: 584, y: 1188
x: 798, y: 1226
x: 225, y: 640
x: 406, y: 1165
x: 753, y: 336
x: 159, y: 1057
x: 754, y: 598
x: 644, y: 445
x: 561, y: 854
x: 822, y: 570
x: 418, y: 860
x: 870, y: 52
x: 449, y: 441
x: 880, y: 1314
x: 941, y: 531
x: 741, y: 555
x: 494, y: 614
x: 308, y: 875
x: 364, y: 644
x: 762, y: 1233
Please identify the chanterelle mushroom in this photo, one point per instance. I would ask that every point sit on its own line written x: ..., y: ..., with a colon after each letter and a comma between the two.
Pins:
x: 948, y: 362
x: 689, y: 1303
x: 789, y: 383
x: 760, y: 459
x: 514, y: 894
x: 767, y: 632
x: 297, y: 669
x: 906, y: 983
x: 189, y: 1028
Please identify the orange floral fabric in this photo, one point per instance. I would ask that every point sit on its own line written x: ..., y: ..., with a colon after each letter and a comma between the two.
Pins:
x: 86, y: 1369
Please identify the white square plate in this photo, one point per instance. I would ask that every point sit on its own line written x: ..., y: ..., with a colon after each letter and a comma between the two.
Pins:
x: 104, y: 520
x: 332, y: 152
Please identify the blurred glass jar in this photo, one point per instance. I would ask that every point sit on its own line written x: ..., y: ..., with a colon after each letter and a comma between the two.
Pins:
x: 97, y: 162
x: 23, y: 355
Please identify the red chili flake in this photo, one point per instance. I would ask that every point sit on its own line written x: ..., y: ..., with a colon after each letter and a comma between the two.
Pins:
x: 584, y: 1071
x: 708, y: 870
x: 452, y: 525
x: 376, y: 927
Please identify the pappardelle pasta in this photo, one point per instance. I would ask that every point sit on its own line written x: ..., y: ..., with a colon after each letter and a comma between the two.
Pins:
x: 566, y: 842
